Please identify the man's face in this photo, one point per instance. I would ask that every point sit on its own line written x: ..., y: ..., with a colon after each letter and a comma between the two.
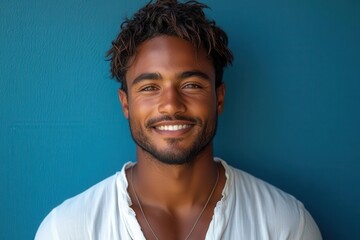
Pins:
x: 171, y: 103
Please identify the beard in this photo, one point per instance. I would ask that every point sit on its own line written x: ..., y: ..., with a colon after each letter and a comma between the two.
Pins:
x: 173, y: 154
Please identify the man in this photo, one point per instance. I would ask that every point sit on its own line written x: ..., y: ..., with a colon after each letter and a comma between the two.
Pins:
x: 169, y: 59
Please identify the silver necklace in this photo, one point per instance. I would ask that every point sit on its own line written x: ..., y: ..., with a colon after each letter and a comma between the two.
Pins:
x: 197, y: 219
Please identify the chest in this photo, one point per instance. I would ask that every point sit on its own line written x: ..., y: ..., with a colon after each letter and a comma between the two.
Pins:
x: 186, y: 224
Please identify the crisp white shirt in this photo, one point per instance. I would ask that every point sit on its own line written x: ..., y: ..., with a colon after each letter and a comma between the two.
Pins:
x: 250, y: 209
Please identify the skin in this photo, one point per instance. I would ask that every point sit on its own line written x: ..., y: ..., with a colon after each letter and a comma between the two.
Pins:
x: 171, y: 83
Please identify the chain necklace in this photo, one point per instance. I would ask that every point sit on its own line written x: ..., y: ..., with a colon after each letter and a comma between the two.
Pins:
x: 197, y: 219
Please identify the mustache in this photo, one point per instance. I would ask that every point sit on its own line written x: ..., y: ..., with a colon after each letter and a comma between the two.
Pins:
x: 153, y: 121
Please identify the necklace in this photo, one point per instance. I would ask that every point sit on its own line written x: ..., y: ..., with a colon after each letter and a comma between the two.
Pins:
x: 197, y: 219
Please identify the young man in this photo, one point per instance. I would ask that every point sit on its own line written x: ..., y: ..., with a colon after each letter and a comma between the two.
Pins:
x: 169, y: 59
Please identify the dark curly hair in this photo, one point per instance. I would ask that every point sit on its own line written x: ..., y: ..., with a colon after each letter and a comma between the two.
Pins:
x: 168, y: 17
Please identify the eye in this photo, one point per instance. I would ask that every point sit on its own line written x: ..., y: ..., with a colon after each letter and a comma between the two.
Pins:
x: 192, y: 86
x: 148, y: 88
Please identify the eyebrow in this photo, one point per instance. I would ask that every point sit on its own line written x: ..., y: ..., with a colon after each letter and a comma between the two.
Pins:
x: 181, y: 76
x: 146, y: 76
x: 194, y: 73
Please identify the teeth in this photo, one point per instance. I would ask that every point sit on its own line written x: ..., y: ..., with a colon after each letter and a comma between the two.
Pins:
x: 172, y: 127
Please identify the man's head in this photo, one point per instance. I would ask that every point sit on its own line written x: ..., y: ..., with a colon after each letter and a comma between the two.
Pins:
x: 170, y: 60
x: 168, y: 17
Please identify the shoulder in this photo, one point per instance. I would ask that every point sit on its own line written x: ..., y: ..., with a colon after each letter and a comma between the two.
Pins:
x: 80, y: 216
x: 267, y: 207
x: 265, y: 199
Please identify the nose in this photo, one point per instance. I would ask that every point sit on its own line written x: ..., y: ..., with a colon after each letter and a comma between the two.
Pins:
x: 171, y: 102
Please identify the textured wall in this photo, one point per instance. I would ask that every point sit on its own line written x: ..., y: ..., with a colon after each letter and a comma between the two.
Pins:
x: 291, y: 117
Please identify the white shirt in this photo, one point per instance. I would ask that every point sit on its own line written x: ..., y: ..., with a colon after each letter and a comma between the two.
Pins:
x: 250, y: 209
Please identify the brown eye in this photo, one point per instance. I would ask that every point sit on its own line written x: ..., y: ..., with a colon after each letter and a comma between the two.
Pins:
x: 192, y: 86
x: 148, y: 89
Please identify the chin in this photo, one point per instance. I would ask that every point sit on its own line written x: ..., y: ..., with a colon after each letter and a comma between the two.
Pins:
x: 171, y: 156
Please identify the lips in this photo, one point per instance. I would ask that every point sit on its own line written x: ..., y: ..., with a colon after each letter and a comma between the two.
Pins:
x: 175, y: 127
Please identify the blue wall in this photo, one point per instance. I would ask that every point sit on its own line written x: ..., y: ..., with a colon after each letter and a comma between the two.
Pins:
x: 291, y: 117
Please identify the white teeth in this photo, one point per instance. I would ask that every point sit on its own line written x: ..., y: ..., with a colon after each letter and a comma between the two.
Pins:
x: 172, y: 127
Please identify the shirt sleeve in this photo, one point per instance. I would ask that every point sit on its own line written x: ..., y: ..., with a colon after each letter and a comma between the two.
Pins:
x: 310, y: 230
x: 64, y: 223
x: 47, y: 229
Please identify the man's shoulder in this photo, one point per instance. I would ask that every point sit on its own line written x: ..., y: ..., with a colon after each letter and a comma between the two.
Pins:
x: 265, y: 206
x: 94, y: 195
x: 79, y: 215
x: 97, y: 194
x: 256, y: 190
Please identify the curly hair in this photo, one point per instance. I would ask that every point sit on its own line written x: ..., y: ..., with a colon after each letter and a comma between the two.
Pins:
x: 169, y: 17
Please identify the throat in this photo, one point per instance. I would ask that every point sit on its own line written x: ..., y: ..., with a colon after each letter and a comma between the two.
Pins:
x: 176, y: 220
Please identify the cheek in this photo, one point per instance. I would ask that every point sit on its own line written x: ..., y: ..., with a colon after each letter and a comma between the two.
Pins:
x: 204, y: 105
x: 140, y: 108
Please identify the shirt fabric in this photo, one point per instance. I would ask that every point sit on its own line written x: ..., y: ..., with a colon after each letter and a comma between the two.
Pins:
x: 250, y: 209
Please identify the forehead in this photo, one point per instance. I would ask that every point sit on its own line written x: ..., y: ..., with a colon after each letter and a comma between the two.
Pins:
x: 168, y: 55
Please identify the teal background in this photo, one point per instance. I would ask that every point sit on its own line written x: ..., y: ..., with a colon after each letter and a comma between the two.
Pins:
x: 291, y: 116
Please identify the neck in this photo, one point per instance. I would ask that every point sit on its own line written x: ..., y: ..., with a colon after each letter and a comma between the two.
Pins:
x: 174, y: 186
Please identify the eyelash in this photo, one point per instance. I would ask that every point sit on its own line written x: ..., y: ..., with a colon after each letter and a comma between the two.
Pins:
x: 192, y: 85
x: 148, y: 89
x: 186, y: 86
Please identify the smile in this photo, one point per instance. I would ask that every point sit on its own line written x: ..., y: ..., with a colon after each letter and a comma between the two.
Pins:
x: 172, y: 127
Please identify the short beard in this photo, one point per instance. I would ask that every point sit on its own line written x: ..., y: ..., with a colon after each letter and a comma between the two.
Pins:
x: 175, y: 157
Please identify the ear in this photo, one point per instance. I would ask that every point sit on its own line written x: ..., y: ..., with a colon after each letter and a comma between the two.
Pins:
x: 124, y: 102
x: 220, y: 95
